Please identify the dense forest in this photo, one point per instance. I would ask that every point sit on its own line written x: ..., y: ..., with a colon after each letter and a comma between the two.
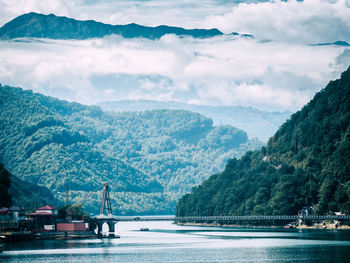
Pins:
x: 257, y: 123
x: 5, y: 183
x: 148, y: 158
x: 306, y: 163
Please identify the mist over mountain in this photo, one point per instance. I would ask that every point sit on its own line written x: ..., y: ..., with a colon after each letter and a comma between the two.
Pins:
x: 148, y: 158
x: 50, y: 26
x: 306, y: 163
x: 258, y: 124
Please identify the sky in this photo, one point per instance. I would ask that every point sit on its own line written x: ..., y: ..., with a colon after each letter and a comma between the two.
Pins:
x: 278, y: 69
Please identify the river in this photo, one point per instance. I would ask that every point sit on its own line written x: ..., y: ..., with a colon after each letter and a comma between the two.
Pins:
x: 166, y: 242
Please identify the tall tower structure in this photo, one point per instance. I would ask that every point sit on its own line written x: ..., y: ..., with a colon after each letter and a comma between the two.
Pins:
x: 106, y: 201
x: 66, y: 201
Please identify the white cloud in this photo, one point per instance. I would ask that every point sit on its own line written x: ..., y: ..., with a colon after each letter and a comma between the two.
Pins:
x: 311, y: 21
x: 216, y: 71
x: 281, y: 74
x: 185, y: 13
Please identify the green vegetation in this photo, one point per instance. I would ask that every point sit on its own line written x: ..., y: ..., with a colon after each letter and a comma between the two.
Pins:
x: 148, y: 158
x: 258, y: 124
x: 31, y: 196
x: 5, y: 183
x: 307, y: 162
x: 24, y: 194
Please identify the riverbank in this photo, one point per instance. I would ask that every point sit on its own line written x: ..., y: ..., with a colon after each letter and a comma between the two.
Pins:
x: 314, y: 226
x: 13, y: 236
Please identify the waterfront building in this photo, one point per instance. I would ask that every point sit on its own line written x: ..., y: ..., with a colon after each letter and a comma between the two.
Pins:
x: 43, y: 219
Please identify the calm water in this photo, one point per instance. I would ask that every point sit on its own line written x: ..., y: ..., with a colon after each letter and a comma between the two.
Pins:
x: 166, y: 242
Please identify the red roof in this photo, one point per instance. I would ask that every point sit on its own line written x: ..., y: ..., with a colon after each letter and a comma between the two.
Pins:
x: 40, y: 214
x: 47, y: 207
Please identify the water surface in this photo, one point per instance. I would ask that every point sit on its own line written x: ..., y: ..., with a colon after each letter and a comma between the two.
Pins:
x: 166, y: 242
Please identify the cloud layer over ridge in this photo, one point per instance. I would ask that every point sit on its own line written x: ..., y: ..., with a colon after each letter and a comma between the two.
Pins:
x: 282, y: 73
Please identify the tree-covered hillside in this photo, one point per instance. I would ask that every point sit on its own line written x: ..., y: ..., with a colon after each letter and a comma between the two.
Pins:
x: 148, y: 158
x: 5, y: 184
x: 258, y: 124
x: 307, y: 162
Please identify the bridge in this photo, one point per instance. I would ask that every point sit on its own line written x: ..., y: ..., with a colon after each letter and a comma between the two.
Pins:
x: 225, y: 218
x: 111, y: 220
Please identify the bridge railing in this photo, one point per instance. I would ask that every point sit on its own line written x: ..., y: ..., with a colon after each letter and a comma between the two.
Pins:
x: 225, y: 218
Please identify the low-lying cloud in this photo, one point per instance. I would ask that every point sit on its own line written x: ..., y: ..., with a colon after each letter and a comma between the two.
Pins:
x: 217, y: 71
x: 281, y: 73
x: 311, y: 21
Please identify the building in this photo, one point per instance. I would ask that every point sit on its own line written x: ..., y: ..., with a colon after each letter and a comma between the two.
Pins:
x: 10, y: 218
x: 6, y: 220
x: 72, y: 226
x: 43, y: 219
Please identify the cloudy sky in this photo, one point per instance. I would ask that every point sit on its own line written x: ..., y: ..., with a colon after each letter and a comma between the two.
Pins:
x: 279, y: 69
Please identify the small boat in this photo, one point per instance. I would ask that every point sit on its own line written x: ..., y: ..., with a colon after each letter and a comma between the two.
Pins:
x: 144, y: 229
x: 288, y: 226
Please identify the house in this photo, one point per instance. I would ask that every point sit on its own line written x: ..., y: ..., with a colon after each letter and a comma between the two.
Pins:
x: 43, y: 219
x: 6, y: 220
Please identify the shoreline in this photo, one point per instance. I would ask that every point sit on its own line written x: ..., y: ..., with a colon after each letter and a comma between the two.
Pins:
x: 315, y: 226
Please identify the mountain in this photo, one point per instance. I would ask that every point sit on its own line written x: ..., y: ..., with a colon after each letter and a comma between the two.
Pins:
x: 55, y: 27
x: 306, y: 163
x: 336, y: 43
x: 258, y: 124
x: 14, y: 191
x: 148, y: 158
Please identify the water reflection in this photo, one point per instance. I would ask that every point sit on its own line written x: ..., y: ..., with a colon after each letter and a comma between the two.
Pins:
x: 166, y: 242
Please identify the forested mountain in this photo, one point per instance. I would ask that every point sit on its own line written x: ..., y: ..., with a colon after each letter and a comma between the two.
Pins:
x: 21, y: 193
x: 55, y: 27
x: 148, y: 158
x: 5, y: 184
x: 307, y: 162
x: 258, y: 124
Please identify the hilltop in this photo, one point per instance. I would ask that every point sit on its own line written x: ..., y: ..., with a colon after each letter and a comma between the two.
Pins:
x: 258, y: 124
x: 61, y: 27
x: 306, y: 163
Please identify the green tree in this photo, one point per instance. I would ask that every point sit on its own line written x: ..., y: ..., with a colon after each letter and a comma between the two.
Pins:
x: 5, y: 183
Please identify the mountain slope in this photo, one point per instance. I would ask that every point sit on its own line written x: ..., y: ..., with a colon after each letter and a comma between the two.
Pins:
x: 52, y: 143
x: 258, y: 124
x: 39, y: 146
x: 54, y: 27
x: 307, y: 162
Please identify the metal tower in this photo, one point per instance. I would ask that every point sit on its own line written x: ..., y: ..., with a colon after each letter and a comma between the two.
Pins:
x: 66, y: 202
x: 106, y: 201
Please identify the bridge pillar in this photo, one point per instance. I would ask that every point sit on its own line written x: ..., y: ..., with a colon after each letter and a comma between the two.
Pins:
x: 99, y: 229
x: 111, y: 226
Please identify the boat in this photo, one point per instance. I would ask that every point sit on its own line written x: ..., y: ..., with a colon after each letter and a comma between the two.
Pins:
x: 144, y: 229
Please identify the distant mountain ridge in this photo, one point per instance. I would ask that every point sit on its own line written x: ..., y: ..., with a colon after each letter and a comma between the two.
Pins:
x: 60, y: 27
x: 258, y: 124
x: 336, y: 43
x: 148, y: 158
